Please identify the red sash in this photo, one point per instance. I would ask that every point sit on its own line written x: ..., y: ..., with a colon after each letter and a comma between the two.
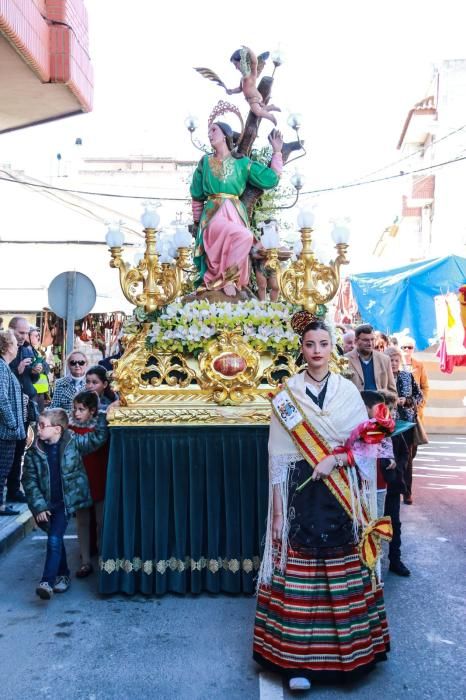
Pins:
x: 313, y: 447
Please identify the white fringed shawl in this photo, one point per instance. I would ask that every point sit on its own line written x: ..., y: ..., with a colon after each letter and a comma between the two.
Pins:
x: 343, y: 410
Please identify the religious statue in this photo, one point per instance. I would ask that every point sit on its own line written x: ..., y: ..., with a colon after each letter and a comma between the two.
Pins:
x: 250, y: 66
x: 227, y: 185
x: 223, y: 237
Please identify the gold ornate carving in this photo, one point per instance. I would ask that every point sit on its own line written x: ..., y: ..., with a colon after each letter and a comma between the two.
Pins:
x: 161, y: 282
x: 176, y: 414
x: 229, y: 389
x: 306, y: 281
x: 169, y: 369
x: 283, y: 365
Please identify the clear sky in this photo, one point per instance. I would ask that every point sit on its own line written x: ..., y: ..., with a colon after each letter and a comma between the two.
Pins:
x: 353, y: 69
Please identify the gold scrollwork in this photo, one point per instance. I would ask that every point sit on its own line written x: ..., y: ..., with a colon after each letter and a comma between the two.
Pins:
x: 167, y: 368
x: 283, y: 365
x: 229, y: 385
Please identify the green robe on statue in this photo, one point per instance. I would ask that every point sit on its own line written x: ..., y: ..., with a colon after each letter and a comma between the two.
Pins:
x: 223, y: 238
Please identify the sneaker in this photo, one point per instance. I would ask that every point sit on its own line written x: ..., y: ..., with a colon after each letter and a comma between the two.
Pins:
x: 44, y: 590
x: 397, y: 567
x: 62, y: 584
x: 299, y: 683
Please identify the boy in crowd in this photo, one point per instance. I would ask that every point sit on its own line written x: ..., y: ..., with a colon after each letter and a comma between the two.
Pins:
x: 56, y: 485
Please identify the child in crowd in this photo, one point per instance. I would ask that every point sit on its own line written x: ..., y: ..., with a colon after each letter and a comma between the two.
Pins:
x: 56, y: 485
x: 370, y: 453
x: 390, y: 460
x: 84, y: 421
x: 96, y: 380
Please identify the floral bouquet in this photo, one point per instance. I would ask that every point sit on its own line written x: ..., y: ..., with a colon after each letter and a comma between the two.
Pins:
x: 367, y: 438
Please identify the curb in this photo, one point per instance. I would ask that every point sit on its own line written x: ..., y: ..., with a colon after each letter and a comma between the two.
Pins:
x: 15, y: 531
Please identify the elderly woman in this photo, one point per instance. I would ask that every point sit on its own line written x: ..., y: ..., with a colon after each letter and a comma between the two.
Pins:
x: 67, y: 387
x: 11, y: 412
x: 409, y: 398
x: 417, y: 369
x: 223, y: 240
x: 320, y: 615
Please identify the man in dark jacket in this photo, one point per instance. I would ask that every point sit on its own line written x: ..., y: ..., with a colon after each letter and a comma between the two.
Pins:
x: 27, y: 375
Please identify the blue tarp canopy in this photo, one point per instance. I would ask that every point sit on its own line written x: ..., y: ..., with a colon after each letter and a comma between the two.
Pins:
x: 404, y: 297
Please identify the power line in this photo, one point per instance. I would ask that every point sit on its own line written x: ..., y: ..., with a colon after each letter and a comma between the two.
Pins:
x: 334, y: 188
x: 423, y: 149
x: 385, y: 178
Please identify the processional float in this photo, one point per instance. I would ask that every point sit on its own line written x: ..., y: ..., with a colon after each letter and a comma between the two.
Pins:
x: 189, y: 360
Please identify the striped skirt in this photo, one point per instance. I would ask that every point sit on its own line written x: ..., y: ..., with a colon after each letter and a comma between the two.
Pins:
x: 321, y: 620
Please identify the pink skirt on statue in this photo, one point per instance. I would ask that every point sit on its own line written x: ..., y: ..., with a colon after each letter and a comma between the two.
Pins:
x: 227, y: 243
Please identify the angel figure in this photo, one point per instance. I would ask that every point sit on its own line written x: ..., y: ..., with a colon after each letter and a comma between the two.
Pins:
x: 250, y: 67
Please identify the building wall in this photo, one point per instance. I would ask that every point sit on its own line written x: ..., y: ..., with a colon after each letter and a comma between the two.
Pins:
x: 52, y: 37
x: 446, y: 408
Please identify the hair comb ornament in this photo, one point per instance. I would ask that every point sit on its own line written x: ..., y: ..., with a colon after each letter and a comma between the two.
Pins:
x: 301, y: 319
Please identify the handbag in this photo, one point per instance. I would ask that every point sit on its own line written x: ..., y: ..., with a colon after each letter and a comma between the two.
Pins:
x: 419, y: 434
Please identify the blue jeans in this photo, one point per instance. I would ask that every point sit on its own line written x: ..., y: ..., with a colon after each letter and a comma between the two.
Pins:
x: 55, y: 561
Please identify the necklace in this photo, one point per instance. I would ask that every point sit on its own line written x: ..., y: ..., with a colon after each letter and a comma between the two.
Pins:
x: 318, y: 381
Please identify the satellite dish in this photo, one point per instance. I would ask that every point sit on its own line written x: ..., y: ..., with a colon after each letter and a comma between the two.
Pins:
x: 76, y: 285
x: 72, y: 296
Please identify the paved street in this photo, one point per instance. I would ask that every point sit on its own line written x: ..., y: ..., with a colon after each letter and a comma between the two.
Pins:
x: 80, y: 646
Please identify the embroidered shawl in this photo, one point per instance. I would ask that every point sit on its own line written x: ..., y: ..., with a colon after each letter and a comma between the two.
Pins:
x: 342, y: 411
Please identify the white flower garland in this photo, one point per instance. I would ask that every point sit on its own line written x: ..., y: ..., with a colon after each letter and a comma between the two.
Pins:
x: 189, y: 327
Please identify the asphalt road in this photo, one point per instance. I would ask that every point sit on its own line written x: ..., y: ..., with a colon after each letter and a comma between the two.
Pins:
x: 81, y: 646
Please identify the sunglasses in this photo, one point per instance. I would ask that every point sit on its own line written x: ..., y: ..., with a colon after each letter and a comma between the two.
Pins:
x: 407, y: 347
x: 74, y: 363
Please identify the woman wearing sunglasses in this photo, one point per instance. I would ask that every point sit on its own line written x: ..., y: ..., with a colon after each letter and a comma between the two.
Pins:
x: 67, y: 387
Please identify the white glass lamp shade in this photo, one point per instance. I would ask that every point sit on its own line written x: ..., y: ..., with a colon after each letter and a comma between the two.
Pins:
x: 297, y: 181
x: 183, y: 238
x: 340, y: 234
x: 191, y: 123
x: 138, y: 256
x: 150, y: 218
x: 305, y: 219
x: 277, y: 58
x: 270, y: 237
x: 115, y: 236
x: 295, y: 120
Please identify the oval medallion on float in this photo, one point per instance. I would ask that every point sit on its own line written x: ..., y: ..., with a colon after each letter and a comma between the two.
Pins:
x: 229, y: 364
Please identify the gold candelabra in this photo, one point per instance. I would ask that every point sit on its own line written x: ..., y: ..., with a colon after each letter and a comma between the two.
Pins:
x: 308, y: 282
x: 161, y: 281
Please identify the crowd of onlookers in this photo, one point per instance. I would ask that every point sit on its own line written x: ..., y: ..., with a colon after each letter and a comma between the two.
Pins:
x: 64, y: 468
x: 384, y: 369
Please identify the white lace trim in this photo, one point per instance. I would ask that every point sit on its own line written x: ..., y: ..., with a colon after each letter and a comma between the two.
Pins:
x: 279, y: 465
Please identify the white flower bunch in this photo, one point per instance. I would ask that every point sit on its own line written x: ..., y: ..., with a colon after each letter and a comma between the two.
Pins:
x: 188, y: 327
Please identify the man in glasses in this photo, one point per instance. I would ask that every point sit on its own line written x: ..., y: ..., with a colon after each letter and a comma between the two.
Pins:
x: 371, y: 370
x: 67, y: 387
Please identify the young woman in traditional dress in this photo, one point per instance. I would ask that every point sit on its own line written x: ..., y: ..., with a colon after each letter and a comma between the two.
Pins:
x: 320, y: 613
x: 223, y: 240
